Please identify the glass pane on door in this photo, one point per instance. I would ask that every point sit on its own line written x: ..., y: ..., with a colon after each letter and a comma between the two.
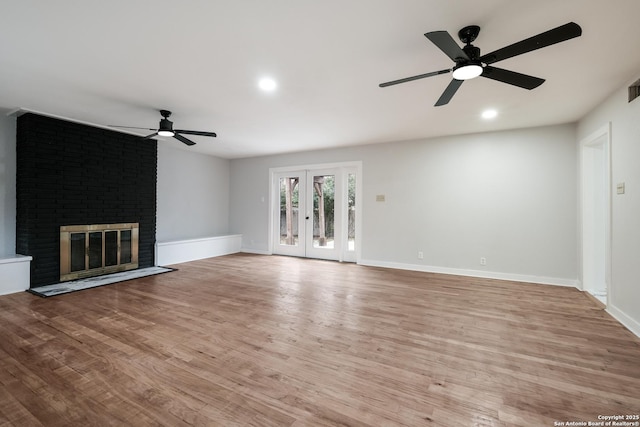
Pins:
x: 323, y: 211
x: 351, y: 212
x: 289, y: 210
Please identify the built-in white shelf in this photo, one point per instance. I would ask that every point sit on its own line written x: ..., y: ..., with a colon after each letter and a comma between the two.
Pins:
x: 168, y: 253
x: 14, y: 274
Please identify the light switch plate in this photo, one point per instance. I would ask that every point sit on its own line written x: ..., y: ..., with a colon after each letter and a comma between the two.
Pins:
x: 380, y: 198
x: 620, y: 188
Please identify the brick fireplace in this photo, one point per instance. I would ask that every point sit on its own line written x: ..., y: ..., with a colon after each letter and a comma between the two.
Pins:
x: 79, y: 176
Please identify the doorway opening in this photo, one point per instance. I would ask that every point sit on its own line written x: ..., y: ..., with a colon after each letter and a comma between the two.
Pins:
x: 596, y: 214
x: 316, y: 211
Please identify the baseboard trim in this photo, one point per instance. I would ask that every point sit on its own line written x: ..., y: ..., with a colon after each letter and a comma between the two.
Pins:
x: 623, y: 318
x: 594, y: 299
x: 556, y: 281
x: 255, y: 251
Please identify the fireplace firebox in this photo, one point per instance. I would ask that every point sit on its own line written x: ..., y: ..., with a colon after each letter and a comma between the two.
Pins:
x: 96, y: 249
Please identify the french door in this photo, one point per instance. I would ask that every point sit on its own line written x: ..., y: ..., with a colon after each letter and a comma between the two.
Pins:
x: 315, y: 213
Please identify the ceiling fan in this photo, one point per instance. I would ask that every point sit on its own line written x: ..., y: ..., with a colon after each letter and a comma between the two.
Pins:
x: 469, y: 63
x: 166, y: 129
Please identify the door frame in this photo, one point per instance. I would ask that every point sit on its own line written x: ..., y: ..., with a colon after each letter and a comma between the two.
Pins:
x: 274, y: 194
x: 598, y: 140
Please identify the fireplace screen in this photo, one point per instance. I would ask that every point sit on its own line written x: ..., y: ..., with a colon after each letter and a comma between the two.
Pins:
x: 93, y: 250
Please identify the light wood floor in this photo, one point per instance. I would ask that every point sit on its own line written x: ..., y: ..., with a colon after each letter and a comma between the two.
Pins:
x: 266, y: 340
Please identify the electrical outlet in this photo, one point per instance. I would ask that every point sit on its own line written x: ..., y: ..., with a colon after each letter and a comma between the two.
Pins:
x: 420, y: 255
x: 483, y: 261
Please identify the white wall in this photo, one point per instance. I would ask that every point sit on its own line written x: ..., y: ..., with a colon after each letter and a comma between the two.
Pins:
x: 625, y: 209
x: 7, y: 184
x: 193, y: 195
x: 508, y: 196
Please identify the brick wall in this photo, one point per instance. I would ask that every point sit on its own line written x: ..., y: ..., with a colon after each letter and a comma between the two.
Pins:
x: 73, y: 174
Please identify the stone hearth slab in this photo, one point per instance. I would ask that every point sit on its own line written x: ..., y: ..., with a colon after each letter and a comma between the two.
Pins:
x: 93, y: 282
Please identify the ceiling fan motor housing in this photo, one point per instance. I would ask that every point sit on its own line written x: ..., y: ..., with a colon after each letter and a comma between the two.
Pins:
x: 472, y: 52
x: 472, y: 65
x: 166, y: 125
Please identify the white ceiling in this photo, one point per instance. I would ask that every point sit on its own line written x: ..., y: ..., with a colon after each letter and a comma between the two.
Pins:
x: 118, y: 62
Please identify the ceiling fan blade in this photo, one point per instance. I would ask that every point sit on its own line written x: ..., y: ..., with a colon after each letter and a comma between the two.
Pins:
x: 153, y: 135
x: 548, y: 38
x: 183, y: 139
x: 449, y: 92
x: 131, y: 127
x: 447, y: 44
x: 511, y: 77
x: 195, y: 132
x: 408, y: 79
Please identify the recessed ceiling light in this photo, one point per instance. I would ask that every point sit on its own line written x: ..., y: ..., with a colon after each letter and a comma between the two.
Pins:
x: 489, y: 114
x: 267, y: 84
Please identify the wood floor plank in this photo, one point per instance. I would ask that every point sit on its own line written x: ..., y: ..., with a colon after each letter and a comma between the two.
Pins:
x: 279, y: 341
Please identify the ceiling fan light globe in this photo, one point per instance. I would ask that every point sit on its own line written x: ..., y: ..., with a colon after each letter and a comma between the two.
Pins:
x: 165, y: 133
x: 467, y: 72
